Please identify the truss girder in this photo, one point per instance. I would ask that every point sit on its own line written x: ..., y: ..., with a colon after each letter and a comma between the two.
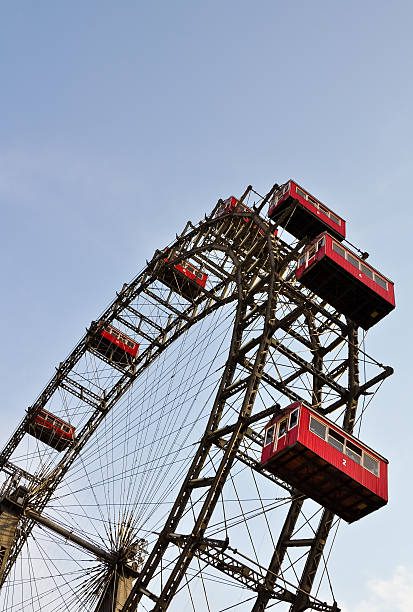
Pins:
x: 254, y: 579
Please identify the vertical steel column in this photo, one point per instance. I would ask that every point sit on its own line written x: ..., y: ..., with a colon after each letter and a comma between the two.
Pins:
x: 353, y: 378
x: 194, y: 471
x: 327, y: 518
x: 278, y: 555
x: 11, y: 510
x: 317, y: 362
x: 117, y: 591
x: 313, y: 560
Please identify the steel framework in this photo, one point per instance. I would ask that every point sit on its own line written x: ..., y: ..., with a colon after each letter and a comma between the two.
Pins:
x: 285, y: 344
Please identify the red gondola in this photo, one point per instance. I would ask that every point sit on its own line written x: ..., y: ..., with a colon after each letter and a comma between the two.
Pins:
x: 345, y: 281
x: 51, y: 430
x: 325, y: 463
x: 231, y: 205
x: 182, y: 277
x: 113, y: 344
x: 308, y: 216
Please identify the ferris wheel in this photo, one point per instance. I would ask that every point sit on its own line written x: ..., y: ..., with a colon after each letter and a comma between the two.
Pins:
x: 199, y: 444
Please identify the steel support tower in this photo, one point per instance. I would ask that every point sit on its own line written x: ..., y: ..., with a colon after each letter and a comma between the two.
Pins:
x: 284, y: 343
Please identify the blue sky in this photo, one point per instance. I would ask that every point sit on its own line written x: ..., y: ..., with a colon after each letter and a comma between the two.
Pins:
x: 120, y: 121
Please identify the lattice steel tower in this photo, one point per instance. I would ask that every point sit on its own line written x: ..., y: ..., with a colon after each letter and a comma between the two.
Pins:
x: 135, y: 480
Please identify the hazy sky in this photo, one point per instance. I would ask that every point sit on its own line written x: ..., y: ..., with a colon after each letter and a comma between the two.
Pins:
x: 121, y: 120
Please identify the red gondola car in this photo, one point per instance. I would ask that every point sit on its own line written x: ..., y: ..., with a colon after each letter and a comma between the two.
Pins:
x: 325, y: 463
x: 345, y: 281
x: 231, y: 205
x: 308, y: 217
x: 113, y: 344
x: 183, y: 277
x: 51, y: 430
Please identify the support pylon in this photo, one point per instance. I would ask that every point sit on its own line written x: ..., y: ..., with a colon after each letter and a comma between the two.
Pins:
x: 117, y: 590
x: 11, y: 510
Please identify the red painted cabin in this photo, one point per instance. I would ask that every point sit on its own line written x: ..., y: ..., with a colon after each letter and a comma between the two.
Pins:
x: 345, y: 281
x: 113, y: 344
x: 183, y: 277
x: 51, y: 430
x: 308, y: 216
x: 325, y: 463
x: 231, y: 205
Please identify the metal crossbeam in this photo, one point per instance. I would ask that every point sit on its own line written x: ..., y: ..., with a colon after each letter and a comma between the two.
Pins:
x: 81, y: 392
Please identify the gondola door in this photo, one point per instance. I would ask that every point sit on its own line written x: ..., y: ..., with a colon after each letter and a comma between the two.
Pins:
x: 282, y: 434
x: 287, y: 431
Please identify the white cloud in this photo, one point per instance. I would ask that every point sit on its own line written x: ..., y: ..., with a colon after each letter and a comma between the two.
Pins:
x: 394, y: 594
